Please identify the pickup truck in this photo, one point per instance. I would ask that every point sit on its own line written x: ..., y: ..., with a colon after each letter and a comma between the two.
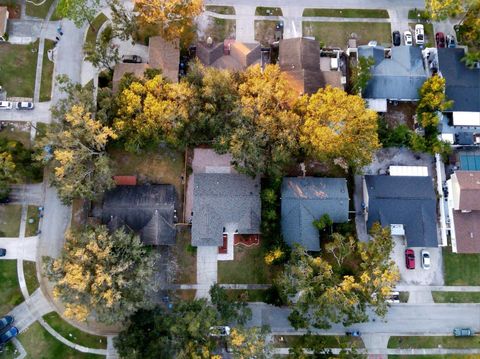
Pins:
x: 462, y: 332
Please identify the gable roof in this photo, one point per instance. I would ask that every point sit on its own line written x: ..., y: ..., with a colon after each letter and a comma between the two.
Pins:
x: 469, y: 183
x: 397, y: 78
x: 307, y: 199
x: 147, y: 210
x: 462, y: 83
x: 467, y: 231
x: 224, y: 202
x: 121, y: 69
x: 164, y: 55
x: 3, y: 20
x: 410, y: 201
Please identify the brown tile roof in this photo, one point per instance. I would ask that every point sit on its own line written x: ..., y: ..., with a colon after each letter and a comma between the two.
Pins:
x: 208, y: 54
x: 304, y: 81
x: 125, y: 180
x: 245, y: 53
x: 469, y: 182
x: 3, y: 20
x: 332, y: 78
x: 299, y: 53
x: 467, y: 231
x: 121, y: 69
x: 164, y: 55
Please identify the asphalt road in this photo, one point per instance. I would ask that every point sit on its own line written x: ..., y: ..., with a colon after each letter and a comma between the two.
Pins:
x: 344, y: 4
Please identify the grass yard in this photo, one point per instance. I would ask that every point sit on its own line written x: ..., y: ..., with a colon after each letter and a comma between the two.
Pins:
x: 185, y: 294
x: 249, y: 295
x: 416, y: 14
x: 337, y: 33
x: 225, y: 10
x: 94, y: 27
x: 220, y: 29
x: 186, y: 257
x: 422, y: 342
x: 19, y: 64
x: 73, y: 334
x: 265, y: 31
x: 331, y: 341
x: 268, y: 11
x: 456, y: 297
x: 404, y: 297
x: 38, y: 343
x: 10, y: 215
x: 10, y: 293
x: 248, y: 267
x: 17, y: 131
x: 32, y: 215
x: 47, y: 73
x: 350, y: 13
x: 452, y: 356
x: 30, y: 271
x: 461, y: 269
x: 40, y: 10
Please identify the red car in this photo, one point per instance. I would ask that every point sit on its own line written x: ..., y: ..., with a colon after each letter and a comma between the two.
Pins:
x: 410, y: 258
x: 440, y: 39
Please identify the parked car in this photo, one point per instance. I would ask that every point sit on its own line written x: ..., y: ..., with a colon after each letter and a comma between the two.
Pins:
x: 451, y: 43
x: 131, y: 59
x: 354, y: 333
x: 219, y: 331
x: 372, y: 43
x: 410, y: 258
x: 462, y: 332
x: 393, y: 297
x: 419, y: 34
x: 440, y: 39
x: 396, y: 38
x: 25, y: 106
x: 5, y: 322
x: 8, y: 335
x: 6, y: 105
x: 3, y: 252
x: 407, y: 38
x: 426, y: 262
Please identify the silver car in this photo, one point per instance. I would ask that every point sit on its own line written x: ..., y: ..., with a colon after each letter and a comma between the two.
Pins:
x: 5, y: 105
x: 426, y: 261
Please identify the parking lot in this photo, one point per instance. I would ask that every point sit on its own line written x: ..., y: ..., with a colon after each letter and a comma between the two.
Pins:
x: 420, y: 276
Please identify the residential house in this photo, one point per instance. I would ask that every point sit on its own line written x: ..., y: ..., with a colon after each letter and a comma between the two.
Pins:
x: 3, y: 22
x: 121, y: 69
x: 306, y: 199
x: 230, y: 54
x: 464, y: 211
x: 407, y: 204
x: 147, y: 210
x: 397, y: 75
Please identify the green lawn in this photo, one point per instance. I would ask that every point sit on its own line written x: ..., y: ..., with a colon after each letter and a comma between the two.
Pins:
x: 73, y: 334
x: 460, y: 269
x: 268, y: 11
x: 32, y: 215
x: 351, y: 13
x: 10, y: 293
x: 30, y: 271
x: 39, y: 344
x: 186, y: 257
x: 434, y: 342
x: 38, y: 11
x: 17, y: 132
x: 47, y: 73
x: 9, y: 351
x: 416, y: 14
x: 225, y: 10
x: 10, y: 216
x: 331, y: 341
x: 456, y: 297
x: 94, y: 27
x: 338, y: 33
x: 18, y: 67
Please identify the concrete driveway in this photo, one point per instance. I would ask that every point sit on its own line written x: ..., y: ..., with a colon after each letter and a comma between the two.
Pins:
x: 20, y: 248
x: 420, y: 276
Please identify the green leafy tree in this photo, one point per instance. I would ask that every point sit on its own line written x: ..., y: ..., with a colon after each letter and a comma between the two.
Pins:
x: 229, y: 310
x: 79, y: 11
x: 103, y: 54
x: 72, y: 94
x: 472, y: 58
x: 361, y: 74
x: 124, y: 22
x: 442, y: 9
x: 323, y: 222
x: 108, y: 275
x: 432, y: 100
x: 340, y: 247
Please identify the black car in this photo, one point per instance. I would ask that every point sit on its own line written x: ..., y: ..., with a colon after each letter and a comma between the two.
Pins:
x: 3, y: 252
x: 396, y: 38
x: 131, y: 59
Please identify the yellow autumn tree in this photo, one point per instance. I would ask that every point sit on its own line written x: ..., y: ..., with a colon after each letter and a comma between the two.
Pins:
x: 248, y: 343
x: 441, y: 9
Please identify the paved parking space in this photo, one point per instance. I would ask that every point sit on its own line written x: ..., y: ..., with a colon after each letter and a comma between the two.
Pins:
x: 20, y: 248
x: 432, y: 276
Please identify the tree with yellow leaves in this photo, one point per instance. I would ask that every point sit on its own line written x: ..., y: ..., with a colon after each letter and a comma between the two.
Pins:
x: 441, y: 9
x: 109, y: 275
x: 338, y: 126
x: 76, y: 149
x: 247, y: 343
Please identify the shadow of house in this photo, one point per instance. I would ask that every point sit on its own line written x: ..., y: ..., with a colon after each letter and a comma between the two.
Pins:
x: 229, y: 55
x: 305, y: 200
x: 147, y: 210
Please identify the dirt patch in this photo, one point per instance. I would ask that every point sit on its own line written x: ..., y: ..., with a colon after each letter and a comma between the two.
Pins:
x: 14, y: 10
x: 400, y: 114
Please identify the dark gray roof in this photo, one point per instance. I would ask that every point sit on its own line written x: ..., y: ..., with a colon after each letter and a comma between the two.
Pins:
x: 307, y: 199
x: 397, y: 78
x: 147, y: 210
x: 299, y: 53
x: 410, y: 201
x: 462, y: 83
x: 222, y: 202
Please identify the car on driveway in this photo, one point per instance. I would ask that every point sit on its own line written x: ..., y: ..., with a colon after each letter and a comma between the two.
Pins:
x: 6, y: 105
x: 451, y: 43
x: 407, y: 38
x: 5, y: 322
x: 131, y: 59
x: 25, y: 106
x: 409, y: 258
x: 440, y: 39
x: 396, y: 38
x: 3, y: 252
x: 462, y: 332
x: 426, y: 260
x: 419, y: 34
x: 8, y: 335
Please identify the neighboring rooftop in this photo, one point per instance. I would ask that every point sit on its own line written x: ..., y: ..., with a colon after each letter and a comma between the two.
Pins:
x: 3, y: 20
x: 467, y: 231
x: 399, y: 77
x: 462, y: 83
x: 469, y: 190
x: 147, y: 210
x: 121, y: 69
x: 408, y: 201
x: 229, y: 55
x: 305, y: 200
x: 224, y: 202
x: 164, y: 55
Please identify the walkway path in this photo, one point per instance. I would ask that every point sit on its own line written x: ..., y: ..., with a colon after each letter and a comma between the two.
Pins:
x: 437, y: 288
x: 32, y: 309
x: 111, y: 352
x: 434, y: 351
x: 226, y: 286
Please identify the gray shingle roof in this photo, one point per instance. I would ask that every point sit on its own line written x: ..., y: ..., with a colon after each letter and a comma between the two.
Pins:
x: 307, y: 199
x: 230, y: 201
x: 397, y: 78
x: 410, y: 201
x: 462, y: 83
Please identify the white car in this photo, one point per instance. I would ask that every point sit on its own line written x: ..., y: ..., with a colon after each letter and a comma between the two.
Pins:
x: 426, y: 261
x: 25, y: 106
x: 407, y: 37
x: 419, y: 34
x: 6, y: 105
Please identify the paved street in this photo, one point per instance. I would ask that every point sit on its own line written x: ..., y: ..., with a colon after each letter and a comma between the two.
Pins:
x: 41, y: 113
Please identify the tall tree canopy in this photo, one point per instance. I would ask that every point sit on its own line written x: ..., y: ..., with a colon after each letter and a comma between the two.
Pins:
x: 441, y: 9
x: 109, y: 275
x: 79, y: 11
x: 102, y: 53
